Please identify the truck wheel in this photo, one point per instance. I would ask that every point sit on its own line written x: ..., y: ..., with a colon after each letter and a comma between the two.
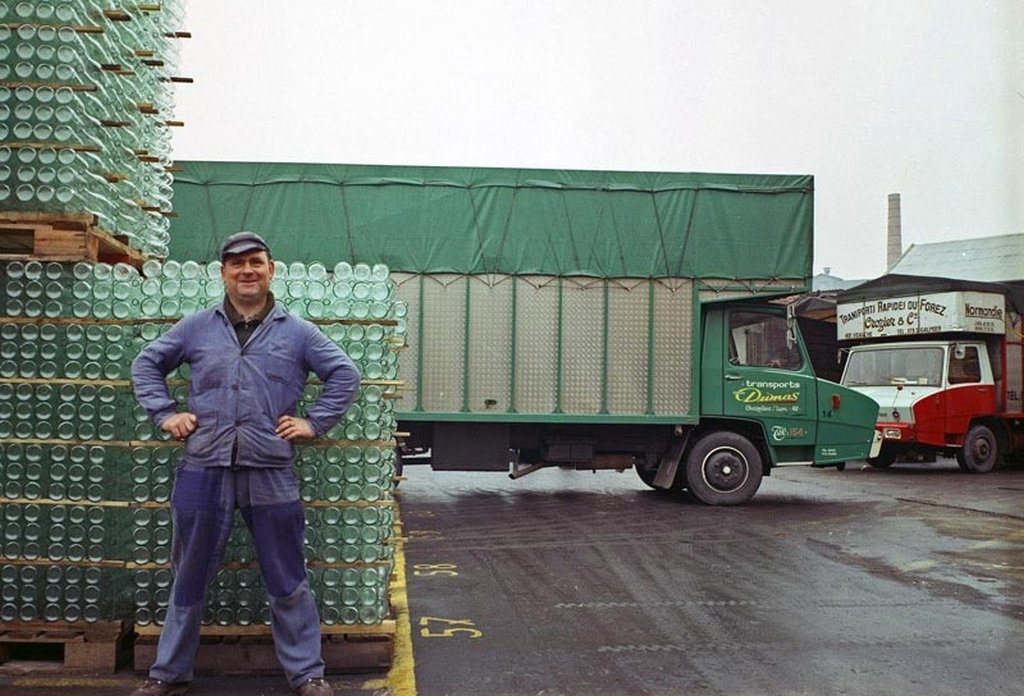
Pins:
x: 980, y: 453
x: 884, y: 459
x: 723, y: 468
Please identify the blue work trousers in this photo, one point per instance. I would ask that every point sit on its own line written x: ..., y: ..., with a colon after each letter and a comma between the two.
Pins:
x: 202, y: 509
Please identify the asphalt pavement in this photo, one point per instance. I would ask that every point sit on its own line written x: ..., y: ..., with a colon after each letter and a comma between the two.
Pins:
x: 901, y: 581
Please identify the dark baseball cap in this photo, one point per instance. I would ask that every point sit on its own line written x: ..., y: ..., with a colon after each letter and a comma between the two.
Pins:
x: 242, y: 242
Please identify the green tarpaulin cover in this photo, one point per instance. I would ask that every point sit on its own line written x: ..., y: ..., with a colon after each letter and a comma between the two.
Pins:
x: 515, y: 221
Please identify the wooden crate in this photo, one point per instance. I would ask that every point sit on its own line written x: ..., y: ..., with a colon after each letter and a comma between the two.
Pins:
x: 99, y: 647
x: 61, y: 237
x: 226, y: 650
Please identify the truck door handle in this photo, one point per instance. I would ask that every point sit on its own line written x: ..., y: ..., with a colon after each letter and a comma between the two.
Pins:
x: 732, y: 376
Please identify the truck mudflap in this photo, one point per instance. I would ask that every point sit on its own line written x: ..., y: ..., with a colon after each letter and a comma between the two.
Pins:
x: 668, y: 467
x: 876, y: 445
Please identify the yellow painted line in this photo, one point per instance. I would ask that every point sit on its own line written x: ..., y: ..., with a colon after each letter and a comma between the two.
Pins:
x: 67, y: 682
x: 401, y: 679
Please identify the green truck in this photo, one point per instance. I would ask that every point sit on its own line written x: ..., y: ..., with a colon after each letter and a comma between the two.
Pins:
x: 578, y: 319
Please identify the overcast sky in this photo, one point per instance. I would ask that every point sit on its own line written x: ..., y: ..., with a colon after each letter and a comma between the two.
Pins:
x: 920, y: 97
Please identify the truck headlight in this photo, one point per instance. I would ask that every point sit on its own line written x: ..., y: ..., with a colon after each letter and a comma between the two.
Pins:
x: 893, y: 434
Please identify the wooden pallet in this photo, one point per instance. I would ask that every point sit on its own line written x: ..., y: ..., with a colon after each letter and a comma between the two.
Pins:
x: 226, y: 650
x: 61, y: 237
x: 99, y: 647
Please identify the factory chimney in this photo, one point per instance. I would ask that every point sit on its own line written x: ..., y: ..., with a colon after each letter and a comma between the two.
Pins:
x: 894, y: 240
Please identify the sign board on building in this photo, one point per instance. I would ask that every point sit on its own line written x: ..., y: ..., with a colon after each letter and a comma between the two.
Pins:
x: 912, y: 315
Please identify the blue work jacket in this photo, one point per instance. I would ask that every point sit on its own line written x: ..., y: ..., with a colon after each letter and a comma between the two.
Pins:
x: 236, y: 393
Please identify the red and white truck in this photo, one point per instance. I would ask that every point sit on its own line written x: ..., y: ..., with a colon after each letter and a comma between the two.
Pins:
x: 945, y: 362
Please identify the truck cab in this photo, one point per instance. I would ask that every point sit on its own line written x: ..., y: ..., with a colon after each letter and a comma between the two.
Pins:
x: 758, y: 385
x: 929, y: 395
x: 767, y: 376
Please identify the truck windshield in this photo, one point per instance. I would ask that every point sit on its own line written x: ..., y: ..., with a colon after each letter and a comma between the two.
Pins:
x: 894, y: 366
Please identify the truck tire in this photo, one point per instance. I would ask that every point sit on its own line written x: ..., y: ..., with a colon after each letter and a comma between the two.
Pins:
x: 980, y: 453
x: 884, y: 460
x: 723, y: 468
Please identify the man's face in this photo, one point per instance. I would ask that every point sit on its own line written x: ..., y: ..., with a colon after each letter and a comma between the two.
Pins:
x: 247, y: 277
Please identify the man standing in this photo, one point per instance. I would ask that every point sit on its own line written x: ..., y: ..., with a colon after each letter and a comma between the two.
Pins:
x: 249, y: 361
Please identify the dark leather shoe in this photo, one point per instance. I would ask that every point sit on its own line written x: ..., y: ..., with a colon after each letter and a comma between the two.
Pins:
x: 316, y: 686
x: 156, y: 687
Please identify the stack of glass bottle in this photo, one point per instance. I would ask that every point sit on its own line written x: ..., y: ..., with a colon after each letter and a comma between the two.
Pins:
x: 85, y: 98
x: 86, y: 478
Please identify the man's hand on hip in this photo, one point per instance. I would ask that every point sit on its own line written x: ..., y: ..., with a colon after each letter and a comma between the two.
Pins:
x: 294, y: 428
x: 180, y: 425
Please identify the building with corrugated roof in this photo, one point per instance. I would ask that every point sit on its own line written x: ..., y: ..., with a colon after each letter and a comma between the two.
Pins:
x: 989, y: 259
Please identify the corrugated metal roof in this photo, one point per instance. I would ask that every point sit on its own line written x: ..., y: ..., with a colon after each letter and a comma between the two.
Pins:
x: 989, y: 259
